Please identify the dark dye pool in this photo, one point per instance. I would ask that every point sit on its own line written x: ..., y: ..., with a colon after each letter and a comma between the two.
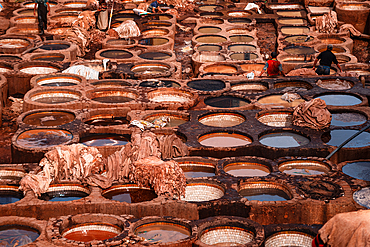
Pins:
x: 104, y: 140
x: 207, y: 85
x: 337, y: 137
x: 52, y: 118
x: 16, y: 235
x: 49, y: 58
x: 63, y: 196
x: 116, y: 54
x: 155, y: 55
x: 340, y: 99
x: 283, y: 140
x: 193, y: 171
x: 359, y: 170
x: 240, y: 20
x: 107, y: 121
x: 10, y: 58
x: 153, y: 41
x: 226, y: 102
x: 54, y: 47
x: 159, y: 83
x: 347, y: 119
x: 59, y: 84
x: 9, y: 196
x: 264, y: 194
x: 132, y: 195
x: 113, y: 99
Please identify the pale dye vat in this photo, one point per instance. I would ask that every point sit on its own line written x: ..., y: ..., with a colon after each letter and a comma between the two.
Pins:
x: 299, y: 39
x: 14, y: 43
x: 293, y: 84
x: 209, y: 48
x: 210, y: 8
x: 276, y: 119
x: 17, y: 235
x: 9, y: 194
x: 75, y: 4
x: 284, y: 139
x: 340, y: 99
x: 155, y: 55
x: 264, y: 191
x: 241, y: 38
x: 25, y: 19
x: 32, y: 4
x: 207, y: 57
x: 174, y: 119
x: 197, y: 169
x: 304, y: 167
x: 55, y: 97
x: 336, y: 49
x: 299, y: 50
x: 226, y: 235
x: 112, y: 96
x: 238, y: 13
x: 347, y: 119
x: 240, y: 21
x: 247, y: 169
x: 104, y: 140
x: 289, y: 238
x: 65, y: 193
x: 13, y: 175
x: 55, y: 46
x: 106, y: 120
x: 130, y: 193
x: 206, y: 85
x: 209, y: 29
x: 242, y: 48
x: 202, y: 191
x: 226, y: 102
x: 153, y: 83
x: 59, y: 80
x: 155, y: 32
x: 334, y: 84
x: 358, y: 170
x: 150, y: 68
x: 66, y: 18
x: 49, y: 57
x: 5, y: 68
x: 49, y: 118
x: 220, y: 69
x: 170, y: 95
x: 285, y: 6
x: 288, y: 13
x: 291, y: 21
x: 153, y: 41
x: 275, y: 101
x: 243, y: 56
x: 337, y: 137
x: 124, y: 17
x: 116, y: 54
x: 39, y: 69
x: 91, y: 231
x: 210, y: 39
x: 249, y: 86
x: 290, y: 30
x: 222, y: 119
x: 237, y: 30
x: 43, y: 138
x: 362, y: 197
x: 165, y: 232
x: 224, y: 140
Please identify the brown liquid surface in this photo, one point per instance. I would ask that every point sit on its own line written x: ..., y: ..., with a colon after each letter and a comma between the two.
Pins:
x: 291, y: 21
x: 162, y: 233
x: 113, y: 99
x: 242, y: 48
x: 49, y: 118
x: 294, y: 30
x: 209, y: 29
x: 149, y: 69
x: 241, y: 38
x: 247, y: 170
x: 220, y: 69
x: 224, y: 140
x: 54, y: 100
x: 211, y: 39
x: 332, y: 41
x: 276, y: 101
x: 90, y: 235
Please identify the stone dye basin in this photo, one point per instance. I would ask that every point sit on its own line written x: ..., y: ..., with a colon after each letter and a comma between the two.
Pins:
x: 58, y: 80
x: 264, y: 191
x: 224, y: 139
x: 358, y: 170
x: 243, y: 56
x: 213, y: 21
x: 220, y: 69
x: 331, y: 40
x: 337, y: 137
x: 208, y: 57
x: 334, y: 84
x: 65, y: 192
x: 283, y: 139
x: 68, y: 10
x: 209, y: 48
x: 241, y: 38
x: 155, y: 41
x: 12, y: 174
x: 43, y: 138
x: 75, y: 4
x: 290, y: 30
x: 226, y: 101
x: 110, y: 96
x: 209, y: 29
x: 66, y: 18
x: 57, y: 30
x: 11, y: 45
x: 49, y: 57
x: 13, y: 58
x: 155, y: 55
x: 222, y: 119
x: 55, y: 46
x: 304, y: 167
x: 32, y: 4
x: 150, y: 68
x: 24, y: 11
x: 55, y: 97
x: 242, y: 48
x: 362, y: 197
x: 289, y: 238
x: 288, y: 13
x: 130, y: 193
x: 210, y: 8
x: 210, y: 39
x: 238, y: 30
x: 121, y: 42
x: 249, y: 86
x: 17, y: 235
x: 116, y: 54
x: 239, y: 21
x: 155, y: 32
x: 153, y: 83
x: 175, y: 119
x: 249, y: 67
x: 340, y: 99
x: 276, y: 119
x: 336, y: 49
x: 197, y: 169
x: 124, y: 17
x: 299, y: 38
x: 38, y: 69
x: 226, y: 235
x: 108, y: 83
x: 247, y: 169
x: 276, y: 101
x: 103, y: 140
x: 48, y: 118
x: 238, y: 13
x: 206, y: 85
x: 25, y: 19
x: 167, y: 95
x: 295, y: 84
x: 9, y: 194
x: 151, y: 24
x: 211, y: 14
x: 91, y: 231
x: 106, y: 120
x: 299, y: 50
x: 347, y: 119
x: 291, y: 21
x: 199, y: 190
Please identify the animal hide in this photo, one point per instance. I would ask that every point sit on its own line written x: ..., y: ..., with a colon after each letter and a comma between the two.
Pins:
x: 327, y: 23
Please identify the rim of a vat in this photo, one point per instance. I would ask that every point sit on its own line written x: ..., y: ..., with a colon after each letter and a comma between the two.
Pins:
x: 233, y: 115
x: 15, y: 19
x: 28, y: 222
x: 256, y: 86
x: 150, y: 31
x: 262, y: 163
x: 68, y: 187
x: 322, y: 37
x: 39, y: 80
x: 245, y: 185
x: 76, y: 2
x: 37, y: 64
x: 128, y: 186
x: 110, y: 43
x: 55, y: 42
x: 126, y: 92
x: 18, y: 59
x: 239, y: 13
x: 100, y: 57
x: 217, y: 7
x: 6, y: 65
x: 171, y: 55
x: 174, y: 91
x: 38, y: 93
x: 307, y: 163
x: 194, y: 80
x: 63, y: 10
x: 222, y: 40
x: 65, y: 15
x: 31, y: 112
x: 269, y: 242
x: 350, y: 111
x: 293, y: 83
x: 201, y: 183
x: 10, y: 50
x: 26, y: 4
x: 349, y: 58
x: 12, y: 172
x: 240, y: 20
x: 110, y: 83
x: 17, y: 12
x: 284, y: 130
x: 323, y: 80
x: 239, y: 97
x: 169, y: 66
x: 246, y: 137
x: 54, y: 29
x: 37, y: 57
x: 240, y: 233
x: 287, y: 113
x: 24, y: 31
x: 358, y: 96
x: 239, y: 31
x: 176, y: 114
x: 364, y: 5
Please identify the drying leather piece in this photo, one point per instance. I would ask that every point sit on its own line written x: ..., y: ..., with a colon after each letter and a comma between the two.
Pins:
x: 302, y: 72
x: 327, y: 23
x: 127, y: 29
x: 350, y: 28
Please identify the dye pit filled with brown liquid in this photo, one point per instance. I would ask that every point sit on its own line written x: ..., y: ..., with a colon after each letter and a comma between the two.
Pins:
x: 162, y: 232
x: 49, y: 118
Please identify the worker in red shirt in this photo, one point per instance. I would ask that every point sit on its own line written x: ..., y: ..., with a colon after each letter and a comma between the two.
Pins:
x: 273, y: 66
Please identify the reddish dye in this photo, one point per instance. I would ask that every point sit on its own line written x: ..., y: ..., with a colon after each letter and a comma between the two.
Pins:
x: 90, y: 235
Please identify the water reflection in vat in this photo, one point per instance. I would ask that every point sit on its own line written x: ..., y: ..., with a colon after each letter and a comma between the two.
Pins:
x: 265, y: 194
x: 106, y: 120
x: 9, y: 194
x: 162, y: 232
x: 207, y: 85
x: 99, y: 140
x: 63, y: 196
x: 197, y: 170
x: 209, y: 29
x: 223, y: 139
x: 283, y: 140
x: 359, y: 170
x: 347, y: 119
x: 155, y: 55
x: 43, y: 138
x: 226, y: 102
x: 340, y: 99
x: 49, y: 118
x: 17, y: 235
x: 222, y: 119
x: 304, y: 168
x: 337, y: 137
x: 247, y: 169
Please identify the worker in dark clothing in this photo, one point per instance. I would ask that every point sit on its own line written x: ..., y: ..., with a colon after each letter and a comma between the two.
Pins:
x: 326, y: 59
x: 43, y: 8
x: 154, y: 7
x: 273, y: 66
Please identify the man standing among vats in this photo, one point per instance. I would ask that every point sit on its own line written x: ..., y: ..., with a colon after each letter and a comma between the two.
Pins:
x: 43, y: 8
x: 273, y: 67
x: 326, y: 59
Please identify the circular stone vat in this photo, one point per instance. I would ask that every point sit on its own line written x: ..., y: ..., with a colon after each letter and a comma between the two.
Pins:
x: 106, y: 120
x: 167, y: 95
x: 124, y: 17
x: 276, y: 119
x: 224, y: 139
x: 289, y: 238
x: 277, y: 102
x: 347, y: 119
x: 9, y: 194
x: 116, y: 54
x: 240, y: 21
x: 332, y: 40
x: 247, y: 169
x: 153, y: 41
x: 336, y: 49
x: 48, y: 118
x: 210, y: 14
x: 243, y: 56
x: 175, y: 119
x: 210, y: 8
x: 249, y: 67
x: 241, y: 38
x: 238, y: 14
x: 155, y: 32
x: 290, y: 13
x: 340, y: 99
x: 250, y: 86
x: 12, y: 174
x: 32, y: 4
x: 91, y: 231
x: 358, y: 170
x: 13, y: 45
x: 304, y: 167
x: 238, y: 30
x: 362, y: 197
x: 299, y: 39
x: 69, y: 11
x: 291, y: 21
x: 17, y: 235
x: 150, y: 68
x: 241, y: 48
x: 290, y: 30
x: 43, y: 138
x: 197, y: 169
x: 55, y: 46
x: 103, y: 140
x: 153, y: 83
x: 213, y: 21
x: 110, y: 83
x: 210, y: 39
x: 337, y: 137
x: 152, y: 24
x: 49, y: 57
x: 283, y: 139
x: 55, y: 97
x: 120, y: 42
x: 296, y: 84
x: 67, y: 18
x: 209, y: 48
x: 209, y: 29
x: 334, y: 84
x: 60, y: 80
x: 12, y: 58
x: 226, y: 101
x: 75, y: 4
x: 155, y: 55
x: 206, y: 85
x: 58, y: 30
x: 299, y: 50
x: 130, y: 193
x: 264, y: 191
x: 202, y: 191
x: 38, y: 69
x: 112, y: 96
x: 220, y: 69
x: 226, y: 235
x: 24, y: 11
x: 65, y: 193
x: 222, y: 119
